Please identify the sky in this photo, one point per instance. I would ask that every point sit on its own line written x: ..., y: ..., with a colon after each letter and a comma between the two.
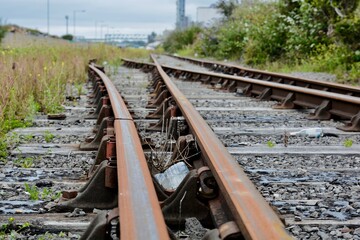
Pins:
x: 99, y: 17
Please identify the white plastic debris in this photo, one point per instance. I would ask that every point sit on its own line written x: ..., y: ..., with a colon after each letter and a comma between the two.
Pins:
x: 309, y: 132
x: 173, y: 176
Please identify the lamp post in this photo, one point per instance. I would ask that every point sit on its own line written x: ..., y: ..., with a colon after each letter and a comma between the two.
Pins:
x: 76, y: 11
x: 48, y: 17
x: 67, y: 24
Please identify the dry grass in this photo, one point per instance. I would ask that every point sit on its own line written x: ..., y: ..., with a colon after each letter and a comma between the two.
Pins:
x: 34, y: 78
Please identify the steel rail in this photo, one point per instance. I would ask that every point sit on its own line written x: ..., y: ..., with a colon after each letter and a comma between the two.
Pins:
x: 139, y: 209
x: 343, y: 106
x: 320, y: 93
x: 252, y: 213
x: 274, y: 77
x: 328, y: 103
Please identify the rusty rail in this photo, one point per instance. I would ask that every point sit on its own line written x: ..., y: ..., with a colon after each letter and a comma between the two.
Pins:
x: 253, y: 216
x: 327, y: 105
x: 139, y: 210
x: 274, y: 77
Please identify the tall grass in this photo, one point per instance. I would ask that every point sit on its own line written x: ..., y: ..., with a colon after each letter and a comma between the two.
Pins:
x: 34, y: 78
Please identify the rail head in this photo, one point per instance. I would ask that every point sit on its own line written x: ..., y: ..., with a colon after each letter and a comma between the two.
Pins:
x: 117, y: 103
x: 253, y: 215
x: 139, y: 209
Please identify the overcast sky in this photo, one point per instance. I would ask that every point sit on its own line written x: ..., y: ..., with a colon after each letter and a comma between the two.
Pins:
x: 110, y: 16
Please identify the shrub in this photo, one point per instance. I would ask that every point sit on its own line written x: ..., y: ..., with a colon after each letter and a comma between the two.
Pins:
x: 207, y: 42
x: 348, y: 31
x: 267, y: 36
x: 231, y: 38
x: 68, y: 37
x: 3, y: 30
x: 179, y: 39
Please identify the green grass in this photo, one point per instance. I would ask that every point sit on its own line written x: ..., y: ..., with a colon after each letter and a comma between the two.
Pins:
x: 348, y: 143
x: 48, y: 136
x: 10, y: 229
x: 27, y: 162
x: 270, y: 144
x: 33, y: 191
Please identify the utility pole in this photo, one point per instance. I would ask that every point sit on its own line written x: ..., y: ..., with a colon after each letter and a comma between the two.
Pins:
x: 67, y: 24
x: 48, y: 17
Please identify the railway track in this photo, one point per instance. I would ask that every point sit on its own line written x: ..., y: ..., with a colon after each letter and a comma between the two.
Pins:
x: 173, y: 159
x: 236, y: 70
x: 201, y: 197
x: 313, y: 182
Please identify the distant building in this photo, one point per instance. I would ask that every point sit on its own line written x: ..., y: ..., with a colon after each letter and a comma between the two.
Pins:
x: 181, y: 19
x: 207, y: 16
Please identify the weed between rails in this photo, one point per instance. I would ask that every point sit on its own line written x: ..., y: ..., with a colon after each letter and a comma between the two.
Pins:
x: 36, y: 193
x: 48, y: 136
x: 12, y: 228
x: 26, y: 162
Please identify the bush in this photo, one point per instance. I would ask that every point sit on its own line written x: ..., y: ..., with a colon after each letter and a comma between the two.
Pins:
x: 321, y: 35
x: 179, y: 39
x: 207, y: 42
x: 231, y: 38
x: 68, y: 37
x: 3, y: 30
x: 266, y: 36
x: 348, y: 32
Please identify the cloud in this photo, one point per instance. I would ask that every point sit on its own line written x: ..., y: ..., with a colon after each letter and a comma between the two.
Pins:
x: 126, y: 15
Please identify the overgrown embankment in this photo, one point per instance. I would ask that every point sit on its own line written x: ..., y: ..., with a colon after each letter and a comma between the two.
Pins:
x: 34, y: 78
x: 286, y: 35
x: 3, y: 30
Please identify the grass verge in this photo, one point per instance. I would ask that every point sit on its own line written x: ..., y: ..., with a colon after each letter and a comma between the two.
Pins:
x: 33, y: 79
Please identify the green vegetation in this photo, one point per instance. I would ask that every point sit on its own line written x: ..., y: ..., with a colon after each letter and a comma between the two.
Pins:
x: 285, y: 35
x: 13, y: 139
x: 68, y: 37
x: 179, y: 40
x: 348, y: 143
x: 33, y: 191
x: 3, y: 149
x: 46, y: 194
x: 10, y: 229
x: 3, y: 30
x: 28, y: 137
x: 48, y: 136
x: 27, y: 162
x: 270, y: 144
x: 34, y: 78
